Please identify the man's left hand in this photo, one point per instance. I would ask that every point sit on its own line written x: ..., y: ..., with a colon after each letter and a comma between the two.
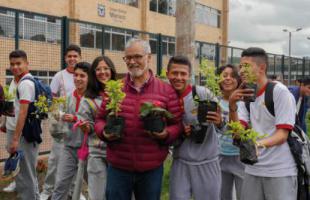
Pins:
x: 161, y: 136
x: 215, y: 118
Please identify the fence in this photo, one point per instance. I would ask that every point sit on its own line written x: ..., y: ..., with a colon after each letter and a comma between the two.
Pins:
x: 45, y: 37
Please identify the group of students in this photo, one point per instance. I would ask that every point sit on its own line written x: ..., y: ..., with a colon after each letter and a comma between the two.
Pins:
x: 120, y: 168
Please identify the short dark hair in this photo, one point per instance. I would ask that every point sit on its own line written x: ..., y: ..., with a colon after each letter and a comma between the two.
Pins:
x: 234, y: 69
x: 258, y: 53
x: 94, y: 87
x: 73, y: 47
x: 84, y: 66
x: 179, y: 59
x: 18, y: 54
x: 273, y: 77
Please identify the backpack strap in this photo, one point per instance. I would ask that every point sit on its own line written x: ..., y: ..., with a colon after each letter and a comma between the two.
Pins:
x: 194, y: 91
x: 35, y: 88
x: 269, y: 103
x: 269, y: 97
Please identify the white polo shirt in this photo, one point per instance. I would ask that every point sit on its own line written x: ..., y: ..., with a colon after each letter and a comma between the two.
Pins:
x: 62, y: 83
x: 26, y: 91
x: 276, y: 161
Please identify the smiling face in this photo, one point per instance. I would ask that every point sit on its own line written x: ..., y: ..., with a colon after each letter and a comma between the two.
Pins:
x: 103, y: 72
x: 18, y: 66
x: 71, y: 58
x: 179, y: 76
x: 137, y: 60
x: 80, y: 79
x: 229, y: 82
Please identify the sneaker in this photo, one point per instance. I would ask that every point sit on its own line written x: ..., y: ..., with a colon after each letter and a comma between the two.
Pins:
x: 10, y: 188
x: 11, y: 167
x: 44, y: 196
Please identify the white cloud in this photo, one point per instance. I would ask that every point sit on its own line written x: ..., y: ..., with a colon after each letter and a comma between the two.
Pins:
x: 260, y: 23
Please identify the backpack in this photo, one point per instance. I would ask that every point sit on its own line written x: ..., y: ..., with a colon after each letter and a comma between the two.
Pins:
x: 299, y: 144
x: 32, y: 129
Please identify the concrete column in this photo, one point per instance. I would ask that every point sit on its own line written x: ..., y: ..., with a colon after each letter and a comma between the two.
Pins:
x: 185, y: 30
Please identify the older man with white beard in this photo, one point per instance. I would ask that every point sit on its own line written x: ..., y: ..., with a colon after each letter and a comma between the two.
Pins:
x: 136, y: 159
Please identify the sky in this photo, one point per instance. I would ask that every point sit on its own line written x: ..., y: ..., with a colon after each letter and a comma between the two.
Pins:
x: 261, y: 22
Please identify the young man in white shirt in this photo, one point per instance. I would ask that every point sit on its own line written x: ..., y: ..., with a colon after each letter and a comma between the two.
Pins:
x: 26, y: 180
x: 274, y: 176
x: 62, y: 85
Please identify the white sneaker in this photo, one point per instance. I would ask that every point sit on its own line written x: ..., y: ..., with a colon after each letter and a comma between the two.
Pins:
x: 10, y: 188
x: 44, y: 196
x: 82, y: 197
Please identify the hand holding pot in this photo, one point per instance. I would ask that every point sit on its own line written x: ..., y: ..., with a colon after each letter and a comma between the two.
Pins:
x: 68, y: 118
x: 215, y: 117
x: 110, y: 137
x: 240, y: 94
x: 161, y: 136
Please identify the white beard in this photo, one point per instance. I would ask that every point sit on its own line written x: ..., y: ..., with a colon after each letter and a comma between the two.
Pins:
x: 137, y: 72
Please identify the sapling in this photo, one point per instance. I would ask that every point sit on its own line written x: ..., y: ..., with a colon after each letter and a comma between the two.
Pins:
x: 250, y: 80
x: 115, y: 123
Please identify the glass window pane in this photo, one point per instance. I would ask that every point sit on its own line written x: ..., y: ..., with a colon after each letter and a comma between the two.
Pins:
x: 153, y: 46
x: 107, y: 40
x: 162, y: 6
x: 87, y: 38
x: 118, y: 42
x: 153, y: 5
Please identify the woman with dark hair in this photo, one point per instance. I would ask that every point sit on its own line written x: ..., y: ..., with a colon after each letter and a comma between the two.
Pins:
x: 101, y: 71
x: 231, y: 166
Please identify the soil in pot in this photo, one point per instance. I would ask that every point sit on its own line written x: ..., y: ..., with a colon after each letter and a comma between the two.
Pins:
x: 250, y: 86
x: 115, y: 125
x: 203, y: 108
x: 154, y: 124
x: 248, y: 154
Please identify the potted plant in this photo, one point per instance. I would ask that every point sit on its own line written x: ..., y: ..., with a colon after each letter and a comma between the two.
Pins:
x: 212, y: 83
x: 42, y: 108
x: 57, y: 107
x: 245, y: 139
x: 114, y: 123
x: 250, y: 80
x: 8, y: 104
x: 154, y: 116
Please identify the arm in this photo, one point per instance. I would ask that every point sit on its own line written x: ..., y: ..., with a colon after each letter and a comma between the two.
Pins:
x: 100, y: 121
x: 87, y: 114
x: 19, y: 127
x: 174, y: 127
x: 278, y: 138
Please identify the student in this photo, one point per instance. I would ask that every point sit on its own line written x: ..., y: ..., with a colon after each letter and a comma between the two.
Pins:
x: 301, y: 94
x: 101, y: 71
x: 274, y: 176
x: 68, y: 161
x: 26, y: 180
x: 195, y: 170
x: 231, y: 166
x: 62, y: 86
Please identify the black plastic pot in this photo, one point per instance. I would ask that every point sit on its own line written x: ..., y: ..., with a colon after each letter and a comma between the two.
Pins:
x: 198, y: 133
x: 115, y: 125
x: 154, y: 123
x: 250, y: 86
x: 203, y: 108
x: 8, y: 108
x: 248, y: 154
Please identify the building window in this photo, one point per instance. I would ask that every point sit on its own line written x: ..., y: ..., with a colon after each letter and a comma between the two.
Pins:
x: 133, y: 3
x: 168, y: 46
x: 166, y: 7
x: 208, y: 16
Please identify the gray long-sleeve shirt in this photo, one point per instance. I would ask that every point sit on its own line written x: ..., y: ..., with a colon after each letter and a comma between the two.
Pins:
x: 189, y: 151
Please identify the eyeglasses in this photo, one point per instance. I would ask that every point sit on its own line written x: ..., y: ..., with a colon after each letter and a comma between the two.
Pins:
x: 136, y: 57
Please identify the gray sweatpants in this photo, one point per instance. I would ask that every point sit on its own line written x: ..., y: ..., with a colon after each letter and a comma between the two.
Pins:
x: 26, y: 180
x: 53, y: 161
x: 269, y: 188
x: 232, y: 175
x: 202, y: 182
x: 67, y: 169
x: 97, y: 177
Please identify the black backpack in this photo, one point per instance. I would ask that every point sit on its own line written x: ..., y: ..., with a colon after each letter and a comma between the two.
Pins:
x: 299, y: 145
x: 32, y: 129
